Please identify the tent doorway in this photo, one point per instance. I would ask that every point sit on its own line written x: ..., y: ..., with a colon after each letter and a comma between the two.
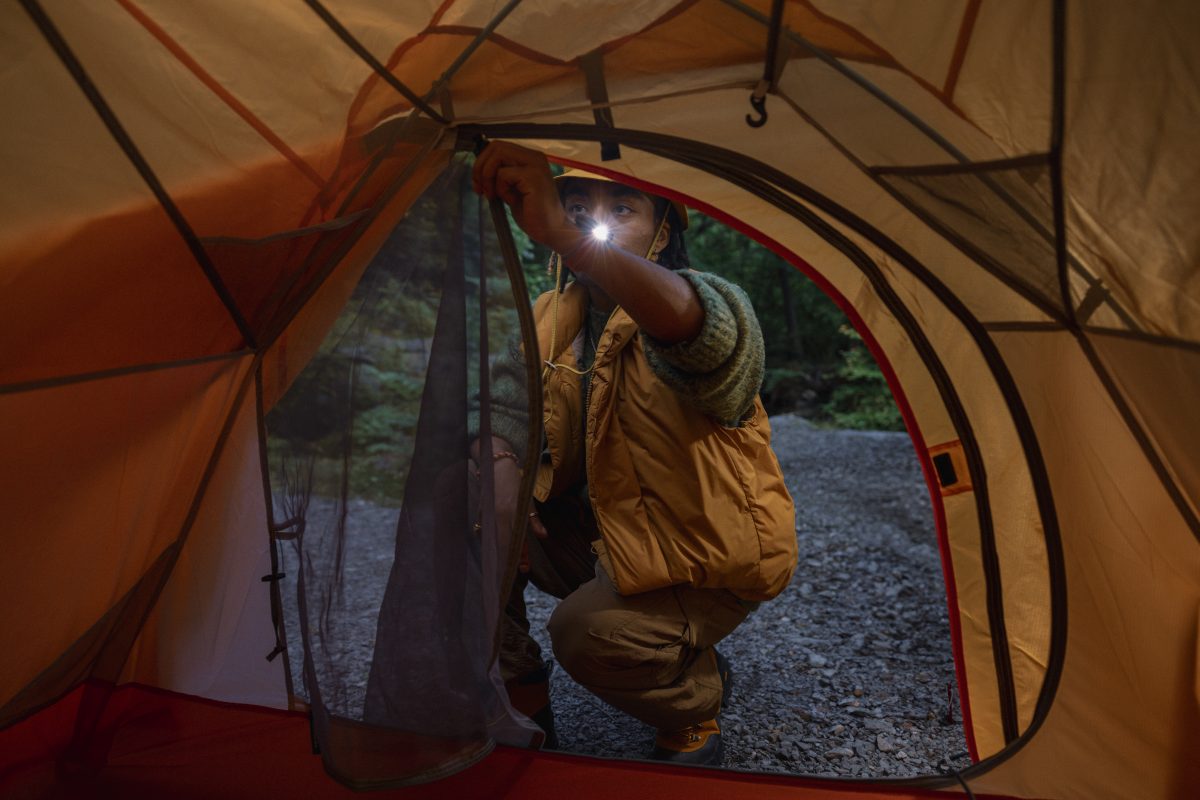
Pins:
x: 849, y: 673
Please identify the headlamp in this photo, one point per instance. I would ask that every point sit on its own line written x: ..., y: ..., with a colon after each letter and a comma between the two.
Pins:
x: 597, y: 230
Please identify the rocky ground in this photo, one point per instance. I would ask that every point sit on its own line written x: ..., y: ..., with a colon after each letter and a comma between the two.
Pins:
x: 848, y: 672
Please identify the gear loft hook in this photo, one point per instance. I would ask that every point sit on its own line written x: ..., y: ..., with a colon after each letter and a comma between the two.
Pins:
x: 758, y: 100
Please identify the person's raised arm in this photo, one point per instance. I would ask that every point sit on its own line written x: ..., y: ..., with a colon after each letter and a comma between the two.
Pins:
x: 662, y: 303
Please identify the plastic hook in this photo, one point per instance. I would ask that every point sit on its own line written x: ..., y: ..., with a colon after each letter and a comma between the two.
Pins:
x: 759, y: 102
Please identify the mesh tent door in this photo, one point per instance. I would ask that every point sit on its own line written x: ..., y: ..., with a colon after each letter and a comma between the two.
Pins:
x: 384, y: 523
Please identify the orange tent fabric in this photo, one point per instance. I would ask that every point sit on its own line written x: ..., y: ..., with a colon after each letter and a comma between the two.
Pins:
x: 1003, y: 195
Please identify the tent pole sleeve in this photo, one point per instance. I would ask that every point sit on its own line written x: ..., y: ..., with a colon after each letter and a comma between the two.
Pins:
x: 1057, y: 120
x: 470, y: 49
x: 56, y: 41
x: 362, y: 52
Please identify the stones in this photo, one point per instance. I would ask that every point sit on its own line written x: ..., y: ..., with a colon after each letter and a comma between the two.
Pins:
x: 839, y: 752
x: 881, y: 726
x: 884, y: 744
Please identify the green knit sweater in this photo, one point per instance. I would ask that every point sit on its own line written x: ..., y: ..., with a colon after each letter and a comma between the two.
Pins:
x: 719, y: 372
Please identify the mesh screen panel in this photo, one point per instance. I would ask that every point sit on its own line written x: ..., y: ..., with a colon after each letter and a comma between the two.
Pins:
x: 1003, y: 216
x: 392, y: 593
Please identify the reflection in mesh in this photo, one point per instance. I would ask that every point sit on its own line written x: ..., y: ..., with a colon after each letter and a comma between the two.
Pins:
x: 397, y: 596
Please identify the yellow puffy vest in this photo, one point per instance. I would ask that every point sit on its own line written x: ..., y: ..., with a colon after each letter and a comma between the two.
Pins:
x: 679, y: 498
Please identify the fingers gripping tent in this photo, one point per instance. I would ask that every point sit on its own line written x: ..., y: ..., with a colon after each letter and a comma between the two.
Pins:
x: 1002, y: 196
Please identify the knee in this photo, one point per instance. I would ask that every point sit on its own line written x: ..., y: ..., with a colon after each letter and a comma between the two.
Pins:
x: 578, y: 635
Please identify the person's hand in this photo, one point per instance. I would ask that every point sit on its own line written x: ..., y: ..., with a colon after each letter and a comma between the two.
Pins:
x: 537, y: 529
x: 521, y: 178
x: 507, y: 488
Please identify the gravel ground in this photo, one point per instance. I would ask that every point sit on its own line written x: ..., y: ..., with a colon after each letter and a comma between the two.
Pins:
x: 848, y: 672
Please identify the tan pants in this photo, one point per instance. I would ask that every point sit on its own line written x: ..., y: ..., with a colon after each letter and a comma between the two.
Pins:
x: 649, y: 655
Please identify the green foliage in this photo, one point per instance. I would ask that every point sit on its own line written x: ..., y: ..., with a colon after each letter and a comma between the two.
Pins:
x: 810, y: 342
x: 861, y: 398
x: 816, y: 365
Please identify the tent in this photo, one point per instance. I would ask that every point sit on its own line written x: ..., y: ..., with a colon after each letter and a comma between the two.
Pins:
x: 1002, y: 196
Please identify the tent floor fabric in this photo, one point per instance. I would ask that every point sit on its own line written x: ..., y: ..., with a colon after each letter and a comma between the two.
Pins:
x: 170, y: 745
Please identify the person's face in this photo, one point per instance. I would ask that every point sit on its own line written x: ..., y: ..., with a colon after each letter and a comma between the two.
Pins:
x: 628, y: 213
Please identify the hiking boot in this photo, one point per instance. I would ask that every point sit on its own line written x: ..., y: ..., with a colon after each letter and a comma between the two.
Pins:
x: 530, y: 694
x: 695, y: 744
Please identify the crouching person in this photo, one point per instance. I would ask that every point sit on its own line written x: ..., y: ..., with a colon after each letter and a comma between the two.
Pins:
x: 662, y: 518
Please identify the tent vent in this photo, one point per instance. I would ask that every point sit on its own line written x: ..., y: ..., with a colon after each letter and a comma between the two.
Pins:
x: 950, y: 464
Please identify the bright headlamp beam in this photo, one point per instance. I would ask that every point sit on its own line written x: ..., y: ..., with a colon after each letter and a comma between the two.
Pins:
x: 600, y: 233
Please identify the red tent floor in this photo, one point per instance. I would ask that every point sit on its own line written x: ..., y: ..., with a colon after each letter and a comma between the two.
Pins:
x: 169, y: 745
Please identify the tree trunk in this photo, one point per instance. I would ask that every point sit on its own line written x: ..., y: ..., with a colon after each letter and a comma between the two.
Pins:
x: 794, y: 346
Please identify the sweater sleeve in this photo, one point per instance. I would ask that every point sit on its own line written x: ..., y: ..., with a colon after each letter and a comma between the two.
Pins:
x: 721, y: 370
x: 509, y: 402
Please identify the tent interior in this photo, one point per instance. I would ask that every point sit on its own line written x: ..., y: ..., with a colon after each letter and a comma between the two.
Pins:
x: 1001, y: 197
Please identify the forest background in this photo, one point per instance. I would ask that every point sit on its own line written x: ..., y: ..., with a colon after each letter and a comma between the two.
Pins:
x: 352, y: 413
